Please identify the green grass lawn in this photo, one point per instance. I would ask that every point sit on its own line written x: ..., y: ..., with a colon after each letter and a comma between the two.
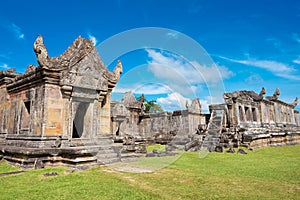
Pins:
x: 268, y: 173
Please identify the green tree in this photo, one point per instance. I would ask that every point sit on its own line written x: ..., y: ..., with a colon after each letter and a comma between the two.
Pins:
x: 150, y: 106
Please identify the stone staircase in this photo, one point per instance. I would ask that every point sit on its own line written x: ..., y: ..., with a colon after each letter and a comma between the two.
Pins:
x: 107, y: 151
x: 77, y: 153
x: 108, y: 154
x: 212, y: 138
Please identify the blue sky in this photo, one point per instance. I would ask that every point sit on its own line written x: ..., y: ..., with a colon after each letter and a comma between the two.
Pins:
x: 252, y: 43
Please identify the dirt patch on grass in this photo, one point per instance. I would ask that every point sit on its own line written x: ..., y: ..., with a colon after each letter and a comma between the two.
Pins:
x: 133, y: 169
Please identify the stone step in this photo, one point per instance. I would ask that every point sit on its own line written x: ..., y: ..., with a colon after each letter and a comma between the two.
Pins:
x: 108, y: 161
x: 130, y: 157
x: 91, y: 142
x: 106, y: 151
x: 106, y: 155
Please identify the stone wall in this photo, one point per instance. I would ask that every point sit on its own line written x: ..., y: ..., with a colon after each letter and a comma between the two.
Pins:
x: 128, y: 119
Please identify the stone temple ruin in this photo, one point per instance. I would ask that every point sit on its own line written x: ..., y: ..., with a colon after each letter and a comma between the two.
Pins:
x: 59, y: 113
x: 245, y: 119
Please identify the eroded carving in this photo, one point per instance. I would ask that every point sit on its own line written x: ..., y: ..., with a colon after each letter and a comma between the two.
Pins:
x: 275, y: 95
x: 295, y: 103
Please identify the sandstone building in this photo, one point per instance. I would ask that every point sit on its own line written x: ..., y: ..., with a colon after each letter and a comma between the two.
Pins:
x: 245, y: 119
x: 56, y: 110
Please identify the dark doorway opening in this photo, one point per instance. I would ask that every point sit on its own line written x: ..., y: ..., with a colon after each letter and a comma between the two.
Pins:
x: 27, y: 106
x: 78, y: 121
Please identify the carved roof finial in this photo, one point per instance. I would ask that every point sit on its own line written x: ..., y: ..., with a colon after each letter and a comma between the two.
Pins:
x: 275, y: 95
x: 295, y: 103
x: 142, y: 98
x: 187, y: 104
x: 277, y: 92
x: 118, y: 70
x: 262, y: 92
x: 40, y: 50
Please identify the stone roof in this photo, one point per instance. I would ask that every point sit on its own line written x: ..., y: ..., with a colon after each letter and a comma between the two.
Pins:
x: 130, y: 101
x: 245, y: 95
x: 76, y: 52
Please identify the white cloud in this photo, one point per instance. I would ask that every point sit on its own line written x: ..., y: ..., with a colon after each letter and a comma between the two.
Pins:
x: 93, y: 39
x: 254, y: 79
x: 277, y: 68
x: 182, y: 75
x: 214, y: 73
x: 297, y: 61
x: 17, y: 31
x: 208, y: 100
x: 205, y: 106
x: 174, y: 101
x: 185, y: 78
x: 4, y: 66
x: 149, y: 89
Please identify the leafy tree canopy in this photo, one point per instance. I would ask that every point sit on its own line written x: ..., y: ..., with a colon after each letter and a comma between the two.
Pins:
x: 150, y: 106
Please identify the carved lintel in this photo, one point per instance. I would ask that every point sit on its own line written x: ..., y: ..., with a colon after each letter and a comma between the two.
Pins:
x: 66, y: 91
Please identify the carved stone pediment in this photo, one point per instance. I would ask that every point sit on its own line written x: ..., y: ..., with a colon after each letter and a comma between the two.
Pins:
x: 130, y: 101
x: 195, y: 107
x: 86, y: 74
x: 120, y: 110
x: 80, y: 64
x: 243, y: 95
x: 77, y: 51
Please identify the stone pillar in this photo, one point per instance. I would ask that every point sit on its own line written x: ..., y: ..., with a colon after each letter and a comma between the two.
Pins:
x: 296, y: 115
x: 66, y: 113
x: 236, y: 116
x: 105, y: 116
x: 278, y: 114
x: 53, y: 104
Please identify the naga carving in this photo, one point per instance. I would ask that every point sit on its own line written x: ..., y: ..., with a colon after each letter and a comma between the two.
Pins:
x: 30, y: 69
x: 275, y: 95
x: 80, y: 48
x: 41, y: 51
x: 295, y: 103
x: 262, y: 93
x: 115, y: 75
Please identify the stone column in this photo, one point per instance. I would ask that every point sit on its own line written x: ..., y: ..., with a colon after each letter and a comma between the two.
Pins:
x: 105, y: 116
